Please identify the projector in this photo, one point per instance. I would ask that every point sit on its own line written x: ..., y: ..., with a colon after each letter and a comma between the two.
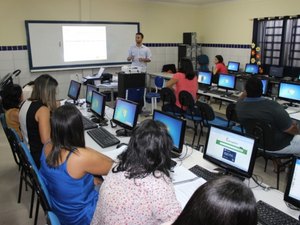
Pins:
x: 133, y: 69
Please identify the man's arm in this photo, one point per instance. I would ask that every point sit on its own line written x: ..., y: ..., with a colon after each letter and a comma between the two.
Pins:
x: 293, y: 129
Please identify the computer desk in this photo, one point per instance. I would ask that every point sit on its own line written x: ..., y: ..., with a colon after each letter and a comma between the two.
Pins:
x: 185, y: 189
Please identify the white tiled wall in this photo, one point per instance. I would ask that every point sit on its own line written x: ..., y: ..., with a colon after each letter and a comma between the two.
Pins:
x: 12, y: 60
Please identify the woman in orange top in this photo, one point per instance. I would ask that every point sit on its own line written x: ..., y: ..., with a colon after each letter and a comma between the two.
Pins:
x: 219, y: 68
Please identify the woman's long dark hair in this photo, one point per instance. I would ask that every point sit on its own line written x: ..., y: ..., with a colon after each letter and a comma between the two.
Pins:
x: 66, y: 132
x: 220, y: 59
x: 11, y: 96
x: 224, y: 201
x: 148, y: 151
x: 186, y: 67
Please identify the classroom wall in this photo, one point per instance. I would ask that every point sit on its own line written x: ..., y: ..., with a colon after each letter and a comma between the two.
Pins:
x: 223, y: 28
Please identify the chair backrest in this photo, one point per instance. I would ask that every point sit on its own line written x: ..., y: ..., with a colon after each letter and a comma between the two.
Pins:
x: 231, y: 113
x: 203, y: 59
x: 159, y: 82
x: 3, y: 121
x: 207, y: 113
x: 135, y: 94
x: 186, y: 100
x: 167, y: 96
x: 52, y: 219
x: 262, y: 131
x: 14, y: 142
x: 169, y: 68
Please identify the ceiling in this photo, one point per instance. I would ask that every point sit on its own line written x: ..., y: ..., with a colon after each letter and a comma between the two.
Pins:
x: 191, y: 2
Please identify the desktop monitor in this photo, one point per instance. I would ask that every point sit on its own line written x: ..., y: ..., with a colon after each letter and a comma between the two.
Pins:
x: 227, y: 81
x: 175, y: 126
x: 292, y: 191
x: 89, y: 90
x: 74, y: 90
x: 276, y: 71
x: 125, y: 113
x: 289, y: 92
x: 205, y: 78
x: 251, y: 68
x: 98, y: 104
x: 265, y: 86
x: 233, y: 66
x: 231, y: 151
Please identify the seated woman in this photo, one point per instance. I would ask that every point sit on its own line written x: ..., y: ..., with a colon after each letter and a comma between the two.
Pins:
x: 34, y: 115
x: 223, y: 201
x: 219, y: 68
x: 184, y: 80
x: 139, y: 190
x: 11, y: 99
x: 67, y: 167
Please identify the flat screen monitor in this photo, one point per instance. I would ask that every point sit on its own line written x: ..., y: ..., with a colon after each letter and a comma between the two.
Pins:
x: 265, y: 86
x: 205, y: 78
x: 125, y: 113
x: 227, y: 81
x: 233, y: 66
x: 292, y: 191
x: 74, y: 90
x: 276, y: 71
x: 289, y: 92
x: 175, y: 126
x: 98, y: 104
x: 231, y: 151
x: 89, y: 90
x: 251, y: 68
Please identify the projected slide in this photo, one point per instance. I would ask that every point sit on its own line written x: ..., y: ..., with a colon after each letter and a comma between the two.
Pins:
x: 84, y: 43
x: 230, y: 148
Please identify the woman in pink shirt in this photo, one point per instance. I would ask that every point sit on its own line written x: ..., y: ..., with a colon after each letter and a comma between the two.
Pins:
x: 184, y: 80
x: 219, y: 68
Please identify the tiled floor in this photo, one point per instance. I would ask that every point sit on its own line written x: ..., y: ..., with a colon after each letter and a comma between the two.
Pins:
x: 12, y: 213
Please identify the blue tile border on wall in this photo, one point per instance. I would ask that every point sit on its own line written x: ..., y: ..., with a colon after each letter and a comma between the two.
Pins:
x: 24, y: 47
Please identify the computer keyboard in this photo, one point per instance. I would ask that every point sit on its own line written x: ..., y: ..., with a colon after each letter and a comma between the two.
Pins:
x: 217, y: 92
x: 233, y: 97
x: 103, y: 138
x: 204, y: 173
x: 88, y: 124
x: 269, y: 215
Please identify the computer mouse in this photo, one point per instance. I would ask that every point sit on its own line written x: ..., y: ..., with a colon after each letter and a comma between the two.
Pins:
x: 120, y: 145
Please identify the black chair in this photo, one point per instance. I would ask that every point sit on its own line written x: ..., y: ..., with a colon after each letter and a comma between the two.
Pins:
x: 168, y: 99
x: 191, y: 112
x: 263, y: 133
x: 233, y: 121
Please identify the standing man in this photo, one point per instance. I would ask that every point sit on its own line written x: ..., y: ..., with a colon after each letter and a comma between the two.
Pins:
x: 139, y: 54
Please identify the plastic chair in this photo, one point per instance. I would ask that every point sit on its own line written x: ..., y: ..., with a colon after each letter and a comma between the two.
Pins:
x: 233, y: 121
x: 264, y: 135
x: 191, y: 112
x: 203, y: 62
x: 154, y: 97
x: 168, y: 102
x: 52, y: 218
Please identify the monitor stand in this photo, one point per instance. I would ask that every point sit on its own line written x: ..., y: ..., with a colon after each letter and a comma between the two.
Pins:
x: 174, y: 154
x: 123, y: 133
x: 226, y: 172
x: 100, y: 121
x: 290, y: 104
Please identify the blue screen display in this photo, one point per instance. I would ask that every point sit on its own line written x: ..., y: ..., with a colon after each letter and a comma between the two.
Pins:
x: 74, y: 90
x: 204, y: 78
x: 233, y: 66
x: 251, y: 68
x: 89, y: 90
x: 226, y: 81
x: 97, y: 103
x: 289, y: 91
x: 265, y: 85
x: 173, y: 125
x: 125, y: 112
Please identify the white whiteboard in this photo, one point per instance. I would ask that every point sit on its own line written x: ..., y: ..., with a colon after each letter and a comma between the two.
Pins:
x: 49, y: 49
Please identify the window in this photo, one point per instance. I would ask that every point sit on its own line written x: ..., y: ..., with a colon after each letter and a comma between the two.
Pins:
x: 279, y: 40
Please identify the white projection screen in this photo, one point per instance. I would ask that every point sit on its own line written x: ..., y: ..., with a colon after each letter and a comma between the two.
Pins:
x: 63, y: 45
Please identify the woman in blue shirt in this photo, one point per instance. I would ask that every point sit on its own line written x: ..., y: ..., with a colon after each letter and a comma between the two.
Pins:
x: 68, y: 166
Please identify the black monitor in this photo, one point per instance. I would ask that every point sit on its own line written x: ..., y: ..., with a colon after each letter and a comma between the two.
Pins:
x: 276, y: 71
x: 227, y: 81
x: 289, y: 92
x: 74, y: 90
x: 233, y: 66
x: 251, y: 68
x: 125, y: 115
x: 265, y: 83
x: 205, y: 78
x: 88, y: 95
x: 292, y: 191
x: 98, y: 106
x: 231, y: 151
x: 175, y: 126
